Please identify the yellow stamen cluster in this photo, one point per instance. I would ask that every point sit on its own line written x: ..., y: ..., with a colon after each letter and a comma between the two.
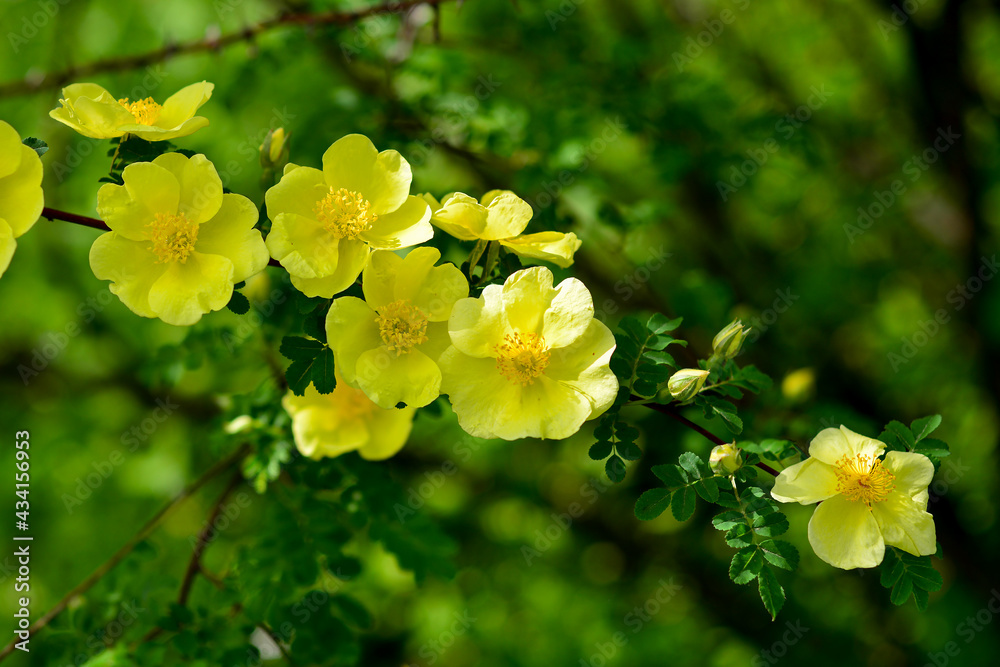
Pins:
x: 344, y: 214
x: 173, y: 237
x: 145, y: 112
x: 522, y: 357
x: 864, y: 479
x: 402, y: 326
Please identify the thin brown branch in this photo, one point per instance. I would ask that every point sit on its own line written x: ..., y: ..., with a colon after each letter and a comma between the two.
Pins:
x: 206, y: 535
x: 667, y: 410
x: 208, y: 44
x: 119, y: 555
x: 94, y: 223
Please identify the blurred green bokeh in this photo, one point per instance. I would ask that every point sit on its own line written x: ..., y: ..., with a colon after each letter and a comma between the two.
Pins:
x: 719, y: 159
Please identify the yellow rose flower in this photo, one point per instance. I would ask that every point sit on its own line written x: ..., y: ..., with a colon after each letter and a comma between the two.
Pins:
x: 94, y: 112
x: 21, y: 196
x: 177, y: 244
x: 865, y: 503
x: 528, y: 359
x: 501, y: 216
x: 326, y: 223
x: 344, y: 421
x: 389, y: 344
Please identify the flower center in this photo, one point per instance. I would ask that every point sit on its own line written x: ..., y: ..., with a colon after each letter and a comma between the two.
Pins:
x: 401, y: 326
x: 145, y: 112
x: 173, y: 237
x: 863, y: 479
x: 344, y: 213
x: 522, y: 357
x: 350, y: 403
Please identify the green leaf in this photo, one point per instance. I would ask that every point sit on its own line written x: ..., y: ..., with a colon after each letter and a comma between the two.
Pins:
x: 746, y: 564
x: 729, y: 519
x: 708, y: 489
x: 323, y: 376
x: 298, y: 348
x: 298, y: 376
x: 730, y: 419
x: 629, y: 451
x: 693, y: 464
x: 903, y: 434
x: 238, y: 303
x: 37, y: 145
x: 652, y: 504
x: 924, y: 426
x: 901, y: 591
x: 771, y: 592
x: 615, y: 469
x: 682, y: 503
x: 352, y: 611
x: 671, y: 475
x: 933, y: 447
x: 739, y: 536
x: 780, y: 554
x: 771, y: 525
x: 660, y: 323
x: 600, y: 450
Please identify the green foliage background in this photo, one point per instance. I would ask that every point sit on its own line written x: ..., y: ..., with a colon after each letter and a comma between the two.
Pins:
x: 581, y: 107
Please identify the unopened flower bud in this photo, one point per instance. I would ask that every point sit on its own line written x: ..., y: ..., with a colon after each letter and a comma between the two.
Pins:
x: 685, y: 384
x: 274, y: 150
x: 725, y: 459
x: 727, y: 343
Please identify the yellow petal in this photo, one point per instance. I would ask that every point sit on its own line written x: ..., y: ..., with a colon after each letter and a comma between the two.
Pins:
x: 488, y: 405
x: 411, y: 378
x: 187, y: 291
x: 7, y: 246
x: 92, y: 111
x: 913, y: 473
x: 461, y: 216
x: 21, y: 198
x: 130, y: 266
x: 303, y: 246
x: 388, y: 432
x: 353, y: 255
x: 153, y: 133
x: 583, y: 366
x: 182, y: 105
x: 478, y: 326
x: 200, y: 185
x: 379, y: 277
x: 432, y: 289
x: 298, y: 191
x: 352, y: 162
x: 231, y: 234
x: 905, y: 524
x: 10, y: 149
x: 554, y: 247
x: 845, y: 534
x: 831, y: 444
x: 807, y: 482
x: 403, y: 227
x: 149, y: 189
x: 506, y: 215
x: 320, y: 427
x: 352, y: 331
x: 527, y: 294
